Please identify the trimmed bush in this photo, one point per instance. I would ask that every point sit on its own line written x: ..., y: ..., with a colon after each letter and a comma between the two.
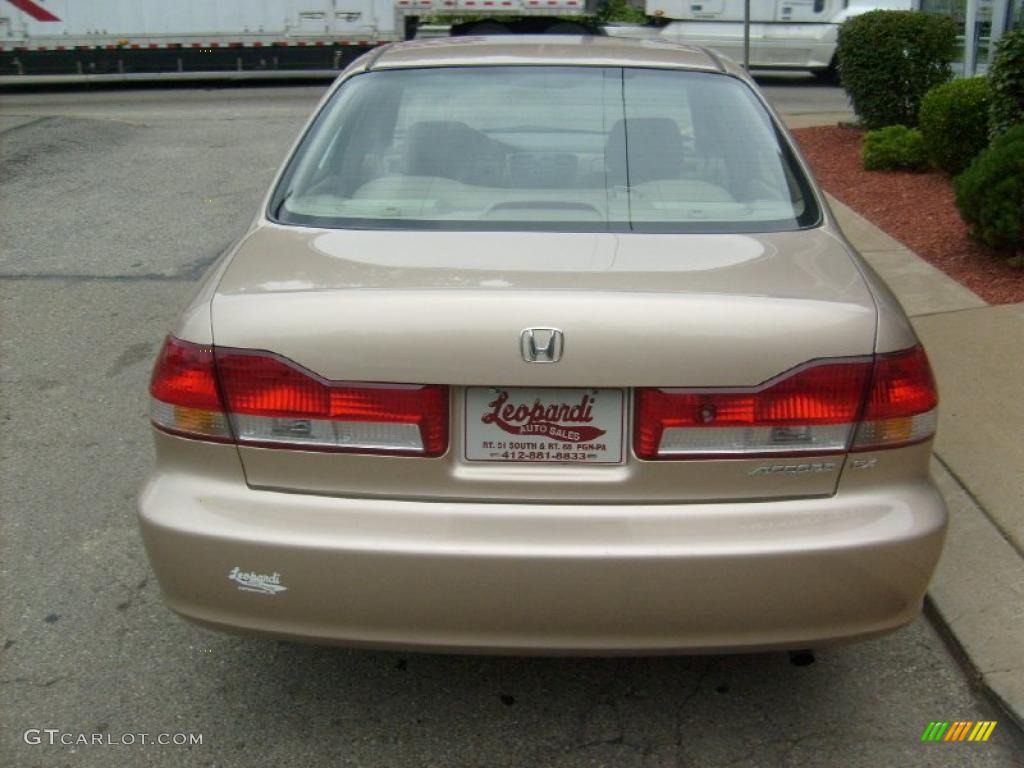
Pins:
x: 1006, y: 77
x: 893, y: 148
x: 888, y: 61
x: 619, y: 10
x: 990, y: 194
x: 954, y: 123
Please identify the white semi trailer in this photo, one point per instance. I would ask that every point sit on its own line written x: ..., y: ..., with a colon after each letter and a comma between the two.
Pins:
x: 784, y: 34
x: 112, y: 36
x: 139, y: 36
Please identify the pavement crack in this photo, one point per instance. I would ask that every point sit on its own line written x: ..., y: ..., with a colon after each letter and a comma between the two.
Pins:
x: 29, y: 124
x: 188, y: 273
x: 78, y: 277
x: 685, y: 702
x: 34, y: 683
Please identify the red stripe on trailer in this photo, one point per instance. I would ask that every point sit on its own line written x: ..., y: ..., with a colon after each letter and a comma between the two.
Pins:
x: 234, y: 45
x: 319, y: 43
x: 215, y: 45
x: 301, y: 43
x: 257, y: 44
x: 153, y: 45
x: 135, y: 46
x: 34, y: 10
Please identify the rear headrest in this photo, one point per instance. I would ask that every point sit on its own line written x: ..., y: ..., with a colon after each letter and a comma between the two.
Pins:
x: 453, y: 150
x: 435, y: 147
x: 655, y: 149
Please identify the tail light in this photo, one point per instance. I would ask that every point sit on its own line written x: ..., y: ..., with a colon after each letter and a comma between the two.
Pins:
x: 901, y: 405
x: 828, y: 407
x: 258, y: 398
x: 184, y: 395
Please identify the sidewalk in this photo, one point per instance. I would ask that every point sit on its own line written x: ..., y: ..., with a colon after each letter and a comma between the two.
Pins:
x: 977, y: 352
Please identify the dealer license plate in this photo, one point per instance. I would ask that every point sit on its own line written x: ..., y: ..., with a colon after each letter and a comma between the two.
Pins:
x: 520, y: 424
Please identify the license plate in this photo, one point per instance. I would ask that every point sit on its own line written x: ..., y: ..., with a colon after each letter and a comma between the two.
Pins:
x: 567, y: 426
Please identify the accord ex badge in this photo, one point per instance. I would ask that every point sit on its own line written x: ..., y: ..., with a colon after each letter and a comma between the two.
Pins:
x: 794, y: 469
x: 541, y: 345
x: 264, y: 583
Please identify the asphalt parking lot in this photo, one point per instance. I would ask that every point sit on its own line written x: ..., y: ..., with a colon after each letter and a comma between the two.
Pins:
x: 112, y: 203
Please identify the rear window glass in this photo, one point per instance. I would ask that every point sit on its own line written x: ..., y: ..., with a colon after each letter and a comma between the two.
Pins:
x: 544, y: 148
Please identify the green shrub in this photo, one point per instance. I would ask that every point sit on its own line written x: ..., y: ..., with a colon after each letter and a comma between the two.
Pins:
x: 888, y: 60
x: 954, y: 123
x: 895, y: 147
x: 990, y: 194
x: 1006, y: 76
x: 619, y: 10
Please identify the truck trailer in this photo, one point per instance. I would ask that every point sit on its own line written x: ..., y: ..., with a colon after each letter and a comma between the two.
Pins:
x: 134, y: 37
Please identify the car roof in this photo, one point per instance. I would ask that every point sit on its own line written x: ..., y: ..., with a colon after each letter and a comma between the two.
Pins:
x: 579, y: 50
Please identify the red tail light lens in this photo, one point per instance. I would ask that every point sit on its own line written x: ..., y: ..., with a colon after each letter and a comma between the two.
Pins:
x: 184, y: 392
x: 270, y: 401
x: 274, y: 402
x: 815, y: 410
x: 901, y: 405
x: 810, y: 411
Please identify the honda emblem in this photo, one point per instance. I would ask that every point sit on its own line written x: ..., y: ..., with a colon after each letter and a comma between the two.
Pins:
x: 541, y: 345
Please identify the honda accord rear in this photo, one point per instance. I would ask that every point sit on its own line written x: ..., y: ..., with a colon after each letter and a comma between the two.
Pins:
x: 544, y: 346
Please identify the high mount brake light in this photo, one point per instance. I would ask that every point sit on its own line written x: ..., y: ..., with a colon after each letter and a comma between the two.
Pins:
x: 827, y: 407
x: 258, y: 398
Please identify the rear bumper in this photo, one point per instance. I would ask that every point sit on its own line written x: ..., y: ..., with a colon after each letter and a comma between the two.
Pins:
x: 539, y: 578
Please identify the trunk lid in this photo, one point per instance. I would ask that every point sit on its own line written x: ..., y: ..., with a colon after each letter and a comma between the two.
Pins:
x: 635, y: 311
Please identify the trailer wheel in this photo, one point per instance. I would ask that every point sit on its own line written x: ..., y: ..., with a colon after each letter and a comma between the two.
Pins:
x: 485, y: 27
x: 830, y: 75
x: 567, y: 28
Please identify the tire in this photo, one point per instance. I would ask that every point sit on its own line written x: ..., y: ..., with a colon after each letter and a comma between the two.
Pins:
x: 828, y: 76
x: 486, y: 27
x: 567, y: 28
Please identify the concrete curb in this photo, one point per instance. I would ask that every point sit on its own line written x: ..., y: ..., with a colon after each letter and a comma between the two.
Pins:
x: 977, y: 594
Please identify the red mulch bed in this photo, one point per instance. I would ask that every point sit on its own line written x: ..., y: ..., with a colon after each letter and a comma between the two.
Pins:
x: 915, y: 208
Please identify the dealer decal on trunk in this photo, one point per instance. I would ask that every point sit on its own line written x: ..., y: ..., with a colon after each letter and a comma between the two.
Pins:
x: 263, y: 583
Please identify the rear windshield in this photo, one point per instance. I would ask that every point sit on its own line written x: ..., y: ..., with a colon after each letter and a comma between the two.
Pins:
x: 544, y: 148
